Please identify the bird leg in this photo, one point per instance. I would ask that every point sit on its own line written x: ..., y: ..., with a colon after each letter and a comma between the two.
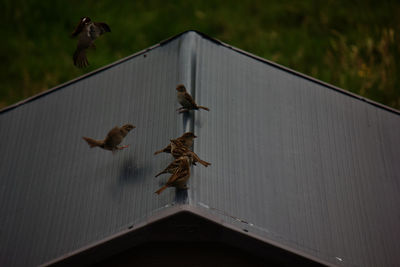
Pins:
x: 122, y: 147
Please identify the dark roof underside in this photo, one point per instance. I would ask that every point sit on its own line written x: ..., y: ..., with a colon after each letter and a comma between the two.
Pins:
x: 184, y: 238
x: 295, y: 162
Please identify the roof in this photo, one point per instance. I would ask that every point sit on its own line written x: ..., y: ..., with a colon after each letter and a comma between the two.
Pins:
x: 296, y: 163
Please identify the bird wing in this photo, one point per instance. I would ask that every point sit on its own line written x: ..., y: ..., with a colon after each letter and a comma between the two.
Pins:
x: 178, y: 151
x: 173, y: 165
x: 113, y: 138
x: 78, y: 29
x: 178, y: 175
x: 189, y: 99
x: 103, y: 27
x: 181, y: 171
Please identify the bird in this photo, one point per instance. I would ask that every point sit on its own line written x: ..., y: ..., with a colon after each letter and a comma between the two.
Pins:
x: 186, y: 100
x: 178, y: 150
x: 87, y: 31
x: 186, y: 139
x: 173, y: 166
x: 180, y: 176
x: 113, y: 138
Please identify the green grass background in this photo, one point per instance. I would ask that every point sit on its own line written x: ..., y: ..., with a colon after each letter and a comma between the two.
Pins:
x: 351, y: 44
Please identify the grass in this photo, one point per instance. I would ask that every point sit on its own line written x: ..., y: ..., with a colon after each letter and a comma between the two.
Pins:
x: 351, y: 44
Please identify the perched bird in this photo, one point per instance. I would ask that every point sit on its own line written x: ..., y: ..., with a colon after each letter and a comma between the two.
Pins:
x: 87, y: 31
x: 173, y: 166
x: 186, y: 100
x: 113, y: 138
x: 178, y: 150
x: 186, y: 139
x: 180, y: 176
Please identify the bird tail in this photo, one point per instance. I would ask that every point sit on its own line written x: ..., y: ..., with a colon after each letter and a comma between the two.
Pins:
x: 80, y: 59
x: 158, y: 152
x: 204, y: 163
x: 159, y: 174
x: 161, y: 189
x: 92, y: 142
x: 205, y: 108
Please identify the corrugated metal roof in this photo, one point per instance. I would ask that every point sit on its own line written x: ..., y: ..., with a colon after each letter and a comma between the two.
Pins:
x: 306, y: 166
x: 294, y: 161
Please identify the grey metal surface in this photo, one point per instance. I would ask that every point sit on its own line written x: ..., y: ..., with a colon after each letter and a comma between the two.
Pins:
x: 294, y: 161
x: 56, y: 194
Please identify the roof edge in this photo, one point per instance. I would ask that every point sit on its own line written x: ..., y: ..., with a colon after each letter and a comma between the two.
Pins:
x: 305, y: 76
x: 179, y: 209
x: 218, y: 42
x: 96, y: 71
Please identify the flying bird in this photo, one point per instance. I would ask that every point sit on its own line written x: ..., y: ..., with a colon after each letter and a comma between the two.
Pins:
x: 186, y: 139
x: 113, y: 138
x: 186, y: 100
x: 87, y: 31
x: 180, y: 176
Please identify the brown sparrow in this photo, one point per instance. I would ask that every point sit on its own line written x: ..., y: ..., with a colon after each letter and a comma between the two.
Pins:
x: 87, y: 31
x: 178, y: 150
x: 186, y: 100
x: 173, y: 166
x: 186, y: 139
x: 180, y: 176
x: 113, y: 138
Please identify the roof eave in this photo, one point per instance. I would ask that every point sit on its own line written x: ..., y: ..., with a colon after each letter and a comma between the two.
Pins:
x: 143, y: 232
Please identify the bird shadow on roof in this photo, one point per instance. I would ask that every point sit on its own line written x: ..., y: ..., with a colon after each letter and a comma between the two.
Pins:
x: 132, y: 173
x: 181, y: 196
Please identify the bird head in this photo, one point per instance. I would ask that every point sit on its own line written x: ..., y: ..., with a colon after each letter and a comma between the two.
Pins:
x: 128, y: 127
x: 85, y: 20
x: 82, y: 23
x: 181, y: 88
x: 188, y: 135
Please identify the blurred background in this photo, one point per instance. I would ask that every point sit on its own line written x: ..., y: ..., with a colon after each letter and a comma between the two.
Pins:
x: 351, y: 44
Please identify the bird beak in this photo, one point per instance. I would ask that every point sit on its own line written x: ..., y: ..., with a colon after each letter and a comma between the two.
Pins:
x: 194, y: 136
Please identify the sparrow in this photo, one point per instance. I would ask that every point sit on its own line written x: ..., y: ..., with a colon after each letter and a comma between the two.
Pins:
x: 186, y: 139
x: 186, y: 100
x: 113, y: 138
x: 180, y: 176
x: 173, y: 166
x: 87, y: 31
x: 178, y: 150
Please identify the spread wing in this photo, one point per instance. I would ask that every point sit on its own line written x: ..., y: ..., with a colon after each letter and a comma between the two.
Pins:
x: 78, y: 29
x: 103, y: 27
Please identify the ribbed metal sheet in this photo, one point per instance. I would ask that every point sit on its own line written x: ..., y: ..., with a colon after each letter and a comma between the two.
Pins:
x: 294, y: 161
x: 58, y: 195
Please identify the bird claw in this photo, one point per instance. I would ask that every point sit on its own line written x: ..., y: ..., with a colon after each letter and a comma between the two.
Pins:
x: 122, y: 147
